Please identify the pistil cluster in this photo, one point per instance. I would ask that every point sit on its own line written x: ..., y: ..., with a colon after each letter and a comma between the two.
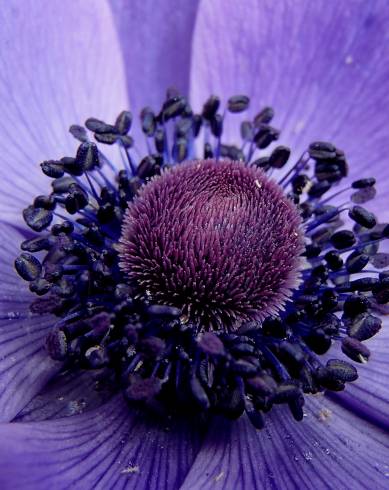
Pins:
x: 217, y: 239
x: 198, y: 282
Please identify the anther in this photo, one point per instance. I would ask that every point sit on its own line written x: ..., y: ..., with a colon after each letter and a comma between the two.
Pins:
x: 364, y: 284
x: 52, y: 169
x: 123, y: 122
x: 173, y: 107
x: 321, y: 150
x: 354, y: 305
x: 356, y: 261
x: 37, y: 218
x: 45, y: 202
x: 343, y: 239
x: 78, y: 132
x: 180, y: 150
x: 62, y: 184
x: 95, y: 125
x: 36, y: 244
x: 246, y: 131
x: 333, y: 260
x: 364, y: 326
x: 57, y: 345
x: 210, y: 108
x: 355, y: 350
x: 279, y: 156
x: 88, y: 156
x: 362, y: 217
x: 217, y: 125
x: 210, y: 343
x: 363, y: 183
x: 341, y: 370
x: 363, y: 195
x: 318, y: 189
x: 264, y: 116
x: 96, y: 356
x: 148, y: 121
x: 265, y: 136
x: 238, y: 103
x: 76, y: 200
x: 28, y: 267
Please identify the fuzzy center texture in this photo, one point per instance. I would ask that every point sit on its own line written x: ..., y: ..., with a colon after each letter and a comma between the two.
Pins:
x: 217, y: 239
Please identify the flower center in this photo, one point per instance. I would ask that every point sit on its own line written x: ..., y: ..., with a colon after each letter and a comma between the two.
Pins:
x: 218, y: 240
x: 175, y: 287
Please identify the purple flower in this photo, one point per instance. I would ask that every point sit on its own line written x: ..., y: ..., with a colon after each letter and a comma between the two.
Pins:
x: 323, y: 67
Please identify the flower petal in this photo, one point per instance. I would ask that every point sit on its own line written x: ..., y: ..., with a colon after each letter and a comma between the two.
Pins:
x: 322, y: 65
x: 66, y: 395
x: 331, y: 448
x: 156, y: 41
x: 24, y: 364
x: 105, y: 449
x: 60, y: 63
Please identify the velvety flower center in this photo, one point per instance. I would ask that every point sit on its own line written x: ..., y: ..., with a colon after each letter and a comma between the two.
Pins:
x: 218, y: 240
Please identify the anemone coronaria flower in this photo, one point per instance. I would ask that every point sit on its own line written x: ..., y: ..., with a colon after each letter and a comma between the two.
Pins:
x: 191, y: 276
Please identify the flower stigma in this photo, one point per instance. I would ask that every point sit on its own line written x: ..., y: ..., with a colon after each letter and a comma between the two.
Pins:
x: 209, y: 283
x: 216, y: 239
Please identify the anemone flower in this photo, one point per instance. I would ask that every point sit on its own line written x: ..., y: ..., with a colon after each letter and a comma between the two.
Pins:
x: 189, y: 281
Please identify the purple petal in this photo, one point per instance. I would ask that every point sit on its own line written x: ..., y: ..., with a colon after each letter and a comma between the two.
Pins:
x: 322, y: 65
x: 24, y: 364
x: 65, y: 395
x: 108, y: 448
x: 156, y: 41
x: 331, y: 448
x: 60, y: 63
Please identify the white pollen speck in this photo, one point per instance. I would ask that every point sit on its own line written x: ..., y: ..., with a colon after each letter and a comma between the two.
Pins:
x: 76, y: 406
x: 130, y: 469
x: 299, y: 127
x: 12, y: 315
x: 348, y: 60
x: 219, y: 476
x: 307, y: 455
x: 138, y: 366
x: 258, y: 184
x: 324, y: 415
